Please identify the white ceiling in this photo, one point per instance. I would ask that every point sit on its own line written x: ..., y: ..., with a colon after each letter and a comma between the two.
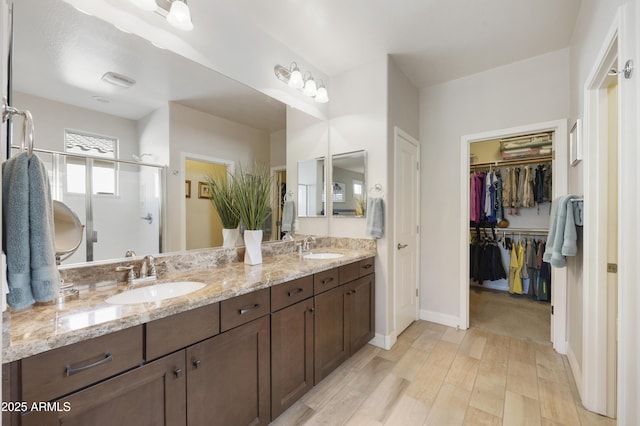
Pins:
x: 61, y: 54
x: 432, y: 41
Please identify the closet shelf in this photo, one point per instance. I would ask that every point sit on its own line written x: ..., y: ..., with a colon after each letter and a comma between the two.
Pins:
x: 500, y: 163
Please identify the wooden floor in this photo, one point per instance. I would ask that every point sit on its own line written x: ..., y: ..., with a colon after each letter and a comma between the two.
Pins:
x: 436, y: 375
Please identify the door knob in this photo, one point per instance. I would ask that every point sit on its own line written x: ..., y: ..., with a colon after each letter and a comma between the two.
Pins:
x: 401, y: 246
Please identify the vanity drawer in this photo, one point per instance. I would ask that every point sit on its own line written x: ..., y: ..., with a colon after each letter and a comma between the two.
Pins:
x: 326, y: 280
x: 285, y: 294
x: 63, y: 370
x: 245, y: 308
x: 349, y: 272
x: 181, y: 330
x: 367, y: 266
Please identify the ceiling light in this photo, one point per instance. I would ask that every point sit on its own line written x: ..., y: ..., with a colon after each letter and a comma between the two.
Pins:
x: 179, y: 16
x: 118, y: 79
x: 322, y: 96
x: 176, y: 12
x: 294, y: 78
x: 148, y: 5
x: 310, y: 88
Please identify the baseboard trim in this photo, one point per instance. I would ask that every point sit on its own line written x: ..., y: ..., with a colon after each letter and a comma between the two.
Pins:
x: 440, y: 318
x: 575, y: 369
x: 384, y: 342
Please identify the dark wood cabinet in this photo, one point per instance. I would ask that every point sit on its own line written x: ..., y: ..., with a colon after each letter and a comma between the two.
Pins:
x: 150, y: 395
x: 344, y: 318
x: 291, y: 355
x: 228, y: 380
x: 359, y: 311
x: 331, y: 344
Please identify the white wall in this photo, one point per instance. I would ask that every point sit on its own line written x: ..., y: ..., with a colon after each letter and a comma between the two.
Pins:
x: 199, y: 133
x: 531, y: 91
x: 279, y: 148
x: 116, y: 218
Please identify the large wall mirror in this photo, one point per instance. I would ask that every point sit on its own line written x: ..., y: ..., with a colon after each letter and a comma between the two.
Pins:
x: 173, y: 105
x: 348, y: 186
x: 311, y: 187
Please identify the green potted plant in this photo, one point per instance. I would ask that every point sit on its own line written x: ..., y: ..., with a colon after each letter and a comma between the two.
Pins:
x: 251, y: 192
x: 222, y: 197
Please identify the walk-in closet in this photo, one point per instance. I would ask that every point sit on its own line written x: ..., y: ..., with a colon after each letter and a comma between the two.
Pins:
x: 510, y: 196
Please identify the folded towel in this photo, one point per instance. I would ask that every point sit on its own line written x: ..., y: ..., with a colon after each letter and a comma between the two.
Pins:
x: 45, y: 280
x: 15, y: 215
x: 553, y: 220
x: 287, y: 216
x: 375, y: 218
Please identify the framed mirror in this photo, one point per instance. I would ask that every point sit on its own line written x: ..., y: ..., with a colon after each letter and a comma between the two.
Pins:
x: 311, y: 187
x: 348, y: 186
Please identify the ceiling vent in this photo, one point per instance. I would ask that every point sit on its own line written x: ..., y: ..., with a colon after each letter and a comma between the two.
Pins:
x: 118, y: 79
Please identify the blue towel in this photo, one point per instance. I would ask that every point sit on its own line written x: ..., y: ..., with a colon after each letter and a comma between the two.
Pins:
x: 27, y: 210
x: 375, y: 218
x: 288, y: 216
x: 15, y: 208
x: 562, y: 239
x: 45, y: 280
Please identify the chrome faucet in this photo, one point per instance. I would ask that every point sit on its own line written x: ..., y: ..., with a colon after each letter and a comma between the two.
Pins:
x: 308, y: 239
x: 147, y: 271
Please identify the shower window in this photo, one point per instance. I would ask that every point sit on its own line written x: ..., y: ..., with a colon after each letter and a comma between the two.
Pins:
x: 105, y: 173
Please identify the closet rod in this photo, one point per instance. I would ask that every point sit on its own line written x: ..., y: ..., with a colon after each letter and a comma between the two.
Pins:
x: 499, y: 163
x: 516, y: 230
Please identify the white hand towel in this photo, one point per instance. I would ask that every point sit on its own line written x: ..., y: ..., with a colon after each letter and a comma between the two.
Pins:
x: 375, y: 218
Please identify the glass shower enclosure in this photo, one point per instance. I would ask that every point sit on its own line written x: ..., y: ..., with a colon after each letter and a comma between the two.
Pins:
x: 120, y: 203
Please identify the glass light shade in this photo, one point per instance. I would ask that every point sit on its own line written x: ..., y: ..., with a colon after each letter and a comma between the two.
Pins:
x: 310, y: 88
x: 322, y: 96
x: 148, y: 5
x: 179, y: 16
x: 295, y: 79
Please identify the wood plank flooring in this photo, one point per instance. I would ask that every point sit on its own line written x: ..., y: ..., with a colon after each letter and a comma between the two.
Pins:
x: 436, y: 375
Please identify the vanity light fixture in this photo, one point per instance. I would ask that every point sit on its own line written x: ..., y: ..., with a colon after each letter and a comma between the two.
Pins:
x: 294, y: 78
x: 176, y: 12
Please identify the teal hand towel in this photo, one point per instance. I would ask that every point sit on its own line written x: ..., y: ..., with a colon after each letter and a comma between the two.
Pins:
x: 45, y: 280
x: 375, y: 218
x: 287, y: 216
x: 15, y: 215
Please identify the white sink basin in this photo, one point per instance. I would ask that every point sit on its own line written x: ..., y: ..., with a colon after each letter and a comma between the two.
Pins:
x: 323, y: 256
x: 155, y: 293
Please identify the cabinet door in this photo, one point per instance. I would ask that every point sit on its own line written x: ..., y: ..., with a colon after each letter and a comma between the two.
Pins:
x: 228, y: 380
x: 291, y: 355
x: 330, y: 338
x: 150, y: 395
x: 360, y: 312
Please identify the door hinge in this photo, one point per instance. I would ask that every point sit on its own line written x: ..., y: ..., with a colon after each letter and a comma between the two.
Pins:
x: 612, y: 267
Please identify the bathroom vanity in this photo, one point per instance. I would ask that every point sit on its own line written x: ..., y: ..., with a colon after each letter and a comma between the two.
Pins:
x: 238, y: 352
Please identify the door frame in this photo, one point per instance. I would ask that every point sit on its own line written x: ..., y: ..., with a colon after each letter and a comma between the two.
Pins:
x: 398, y: 132
x: 184, y: 156
x: 559, y: 187
x: 619, y: 45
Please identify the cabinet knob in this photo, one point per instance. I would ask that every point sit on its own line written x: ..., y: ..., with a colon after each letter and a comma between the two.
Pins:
x: 196, y: 363
x: 312, y: 309
x: 177, y: 372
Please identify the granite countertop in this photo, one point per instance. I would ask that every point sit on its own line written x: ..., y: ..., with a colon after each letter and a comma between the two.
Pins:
x: 42, y: 328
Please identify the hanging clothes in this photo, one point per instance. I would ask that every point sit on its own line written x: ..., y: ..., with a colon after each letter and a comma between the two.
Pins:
x: 527, y: 188
x: 519, y: 182
x: 515, y: 266
x: 507, y: 188
x: 498, y: 199
x: 485, y: 259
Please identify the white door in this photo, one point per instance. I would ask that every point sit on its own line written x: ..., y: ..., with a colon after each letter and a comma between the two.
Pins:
x: 406, y: 241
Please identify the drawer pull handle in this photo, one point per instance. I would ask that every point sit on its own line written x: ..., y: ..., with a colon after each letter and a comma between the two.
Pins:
x: 71, y: 371
x: 327, y: 280
x: 177, y: 372
x: 196, y: 363
x: 249, y: 309
x: 369, y: 266
x: 294, y: 292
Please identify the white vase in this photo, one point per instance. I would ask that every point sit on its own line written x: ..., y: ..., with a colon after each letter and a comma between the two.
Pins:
x: 230, y: 237
x: 253, y: 247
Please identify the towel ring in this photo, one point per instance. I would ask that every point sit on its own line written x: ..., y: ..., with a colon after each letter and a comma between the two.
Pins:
x: 376, y: 191
x: 288, y: 196
x: 27, y: 126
